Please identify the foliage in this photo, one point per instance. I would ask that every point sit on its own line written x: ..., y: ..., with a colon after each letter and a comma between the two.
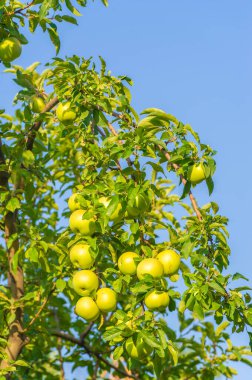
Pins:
x: 107, y: 151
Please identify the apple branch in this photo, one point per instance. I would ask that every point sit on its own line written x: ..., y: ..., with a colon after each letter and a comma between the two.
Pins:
x: 20, y: 10
x: 36, y: 316
x: 93, y: 353
x: 34, y: 129
x: 175, y: 166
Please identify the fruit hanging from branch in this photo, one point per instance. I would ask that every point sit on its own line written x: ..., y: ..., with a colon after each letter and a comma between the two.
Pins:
x: 170, y: 261
x: 37, y: 104
x: 78, y: 223
x: 197, y: 174
x: 106, y: 299
x: 150, y: 266
x: 85, y: 282
x: 65, y: 113
x: 10, y: 49
x: 155, y: 300
x: 86, y: 308
x: 127, y: 262
x: 81, y: 257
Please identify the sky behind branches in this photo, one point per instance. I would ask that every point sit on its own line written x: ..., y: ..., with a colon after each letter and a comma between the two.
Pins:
x: 193, y: 59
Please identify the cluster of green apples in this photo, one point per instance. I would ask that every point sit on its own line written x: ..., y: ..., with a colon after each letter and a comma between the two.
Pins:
x: 10, y: 48
x: 86, y: 282
x: 165, y: 264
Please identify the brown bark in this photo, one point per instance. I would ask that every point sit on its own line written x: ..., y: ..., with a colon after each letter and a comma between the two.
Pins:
x: 17, y: 338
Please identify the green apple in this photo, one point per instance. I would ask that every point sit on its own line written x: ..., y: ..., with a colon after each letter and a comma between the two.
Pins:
x: 116, y: 214
x: 127, y: 263
x: 106, y: 299
x: 65, y: 113
x: 87, y: 309
x: 150, y: 266
x: 197, y: 174
x: 139, y: 350
x: 78, y: 223
x: 73, y: 203
x: 85, y: 282
x: 155, y: 300
x: 140, y: 205
x: 37, y: 104
x: 10, y: 49
x: 80, y: 256
x: 170, y: 261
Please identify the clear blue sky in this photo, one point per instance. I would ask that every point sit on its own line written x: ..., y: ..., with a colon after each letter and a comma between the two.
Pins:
x: 193, y: 59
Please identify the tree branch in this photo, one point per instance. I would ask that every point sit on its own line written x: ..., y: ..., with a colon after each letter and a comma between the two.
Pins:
x: 90, y: 352
x: 34, y: 129
x: 175, y: 166
x: 40, y: 309
x: 20, y: 10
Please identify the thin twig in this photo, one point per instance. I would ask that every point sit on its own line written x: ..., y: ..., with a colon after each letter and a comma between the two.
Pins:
x: 33, y: 131
x: 90, y: 352
x: 33, y: 320
x: 20, y: 10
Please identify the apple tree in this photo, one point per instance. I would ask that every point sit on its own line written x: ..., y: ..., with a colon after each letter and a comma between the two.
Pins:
x: 129, y: 278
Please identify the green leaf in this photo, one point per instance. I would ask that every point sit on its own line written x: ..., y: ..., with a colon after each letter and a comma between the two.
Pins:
x: 174, y: 353
x: 210, y: 185
x: 22, y: 363
x: 72, y: 8
x: 198, y: 311
x: 46, y: 5
x: 221, y: 327
x: 13, y: 204
x: 70, y: 19
x: 28, y: 157
x: 217, y: 287
x: 118, y: 352
x: 54, y: 37
x: 111, y: 334
x: 237, y: 276
x: 32, y: 254
x: 60, y: 284
x: 149, y: 339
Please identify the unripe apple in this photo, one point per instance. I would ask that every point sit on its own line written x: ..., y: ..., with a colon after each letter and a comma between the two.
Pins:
x: 73, y: 203
x: 81, y: 257
x: 139, y: 350
x: 127, y: 264
x: 106, y: 299
x: 65, y: 113
x: 155, y: 300
x: 106, y: 201
x: 197, y: 174
x: 37, y: 104
x: 85, y: 282
x: 140, y: 205
x: 84, y: 226
x: 10, y: 49
x: 150, y: 266
x: 170, y: 261
x: 87, y: 309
